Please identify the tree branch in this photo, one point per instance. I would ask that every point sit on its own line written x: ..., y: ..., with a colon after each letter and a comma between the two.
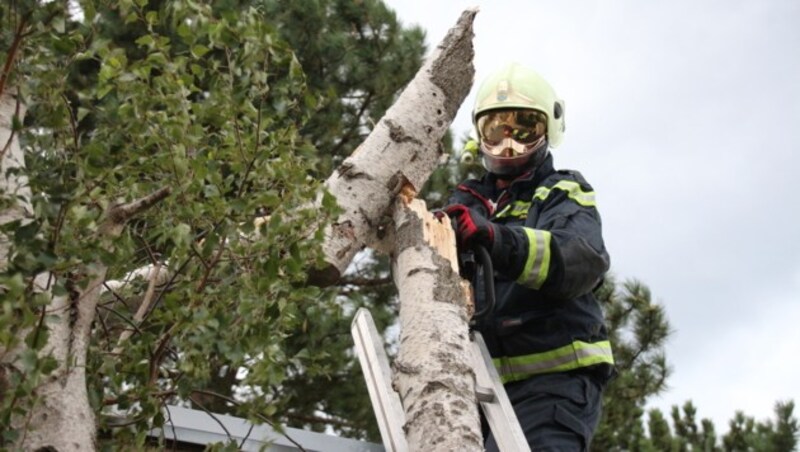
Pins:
x: 19, y: 33
x: 121, y: 213
x: 260, y: 416
x: 144, y: 306
x: 354, y: 130
x: 146, y: 272
x: 12, y: 133
x: 216, y: 419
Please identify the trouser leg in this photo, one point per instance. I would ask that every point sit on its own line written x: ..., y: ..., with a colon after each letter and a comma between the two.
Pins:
x: 556, y: 411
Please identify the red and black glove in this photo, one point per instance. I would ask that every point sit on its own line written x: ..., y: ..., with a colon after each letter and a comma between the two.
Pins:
x: 471, y: 227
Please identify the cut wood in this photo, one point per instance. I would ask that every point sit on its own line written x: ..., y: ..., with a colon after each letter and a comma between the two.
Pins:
x: 433, y: 369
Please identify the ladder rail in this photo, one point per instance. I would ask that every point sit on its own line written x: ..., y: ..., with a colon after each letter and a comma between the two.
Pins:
x: 494, y: 400
x: 375, y: 367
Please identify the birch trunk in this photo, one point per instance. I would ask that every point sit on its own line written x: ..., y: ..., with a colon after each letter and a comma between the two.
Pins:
x: 12, y: 182
x: 433, y: 372
x: 62, y: 418
x: 404, y: 148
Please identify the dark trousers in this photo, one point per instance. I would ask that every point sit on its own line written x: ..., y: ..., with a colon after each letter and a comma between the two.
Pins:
x: 557, y: 412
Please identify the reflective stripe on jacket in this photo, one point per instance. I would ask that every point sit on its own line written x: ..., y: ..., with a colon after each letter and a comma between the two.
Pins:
x: 548, y: 256
x: 569, y: 357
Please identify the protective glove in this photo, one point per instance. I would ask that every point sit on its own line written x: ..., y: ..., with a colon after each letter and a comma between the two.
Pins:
x: 471, y: 227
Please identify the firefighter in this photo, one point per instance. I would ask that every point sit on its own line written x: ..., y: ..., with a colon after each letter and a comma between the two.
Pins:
x: 546, y: 333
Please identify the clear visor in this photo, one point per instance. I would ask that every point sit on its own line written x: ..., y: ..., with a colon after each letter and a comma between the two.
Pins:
x: 515, y: 130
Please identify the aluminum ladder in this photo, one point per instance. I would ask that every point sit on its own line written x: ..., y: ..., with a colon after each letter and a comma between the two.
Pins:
x: 491, y: 395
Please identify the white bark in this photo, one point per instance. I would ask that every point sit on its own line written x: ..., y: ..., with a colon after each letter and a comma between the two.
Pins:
x: 155, y: 276
x: 404, y: 148
x: 62, y: 418
x: 13, y: 187
x: 433, y: 372
x: 12, y: 160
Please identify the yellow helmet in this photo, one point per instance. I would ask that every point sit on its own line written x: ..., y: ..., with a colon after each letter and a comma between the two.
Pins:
x: 517, y: 87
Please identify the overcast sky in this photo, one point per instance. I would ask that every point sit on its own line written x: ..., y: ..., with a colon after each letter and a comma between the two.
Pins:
x: 684, y: 116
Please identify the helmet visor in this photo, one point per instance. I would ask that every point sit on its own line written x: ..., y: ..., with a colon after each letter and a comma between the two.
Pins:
x: 523, y: 126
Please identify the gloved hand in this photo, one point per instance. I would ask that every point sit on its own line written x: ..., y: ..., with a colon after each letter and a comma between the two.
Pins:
x: 471, y: 227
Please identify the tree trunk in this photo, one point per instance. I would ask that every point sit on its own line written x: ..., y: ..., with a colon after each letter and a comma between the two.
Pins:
x: 404, y: 148
x: 64, y: 419
x: 64, y: 402
x: 433, y: 372
x: 375, y: 187
x: 61, y: 418
x: 12, y: 161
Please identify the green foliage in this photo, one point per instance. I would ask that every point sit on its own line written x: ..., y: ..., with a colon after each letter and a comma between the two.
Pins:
x: 210, y: 100
x: 686, y: 426
x: 208, y: 103
x: 25, y: 26
x: 660, y: 434
x: 638, y: 328
x: 746, y: 434
x: 310, y: 402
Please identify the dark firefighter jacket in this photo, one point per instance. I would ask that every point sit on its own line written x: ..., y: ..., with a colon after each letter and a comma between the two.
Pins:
x: 548, y: 256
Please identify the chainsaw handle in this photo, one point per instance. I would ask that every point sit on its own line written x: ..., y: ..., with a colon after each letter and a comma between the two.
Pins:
x: 485, y: 261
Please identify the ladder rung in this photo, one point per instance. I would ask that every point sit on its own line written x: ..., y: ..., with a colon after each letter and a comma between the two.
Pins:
x: 484, y: 394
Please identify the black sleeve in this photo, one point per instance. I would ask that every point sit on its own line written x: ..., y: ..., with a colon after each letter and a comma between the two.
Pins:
x: 560, y: 251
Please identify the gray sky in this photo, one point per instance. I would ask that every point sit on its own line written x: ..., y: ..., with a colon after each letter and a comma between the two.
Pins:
x: 682, y: 115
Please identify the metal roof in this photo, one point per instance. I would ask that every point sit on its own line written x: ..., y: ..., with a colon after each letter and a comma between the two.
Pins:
x: 197, y: 427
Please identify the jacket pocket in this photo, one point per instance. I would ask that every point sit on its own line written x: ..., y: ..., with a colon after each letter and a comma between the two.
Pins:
x: 531, y: 332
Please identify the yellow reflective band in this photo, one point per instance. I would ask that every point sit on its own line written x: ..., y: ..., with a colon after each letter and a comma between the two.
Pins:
x: 572, y: 356
x: 538, y: 263
x: 517, y: 209
x: 574, y: 192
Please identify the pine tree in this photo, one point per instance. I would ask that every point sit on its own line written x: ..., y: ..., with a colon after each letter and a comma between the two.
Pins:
x: 747, y: 434
x: 686, y: 429
x: 638, y: 330
x: 785, y: 436
x: 660, y: 433
x: 357, y: 56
